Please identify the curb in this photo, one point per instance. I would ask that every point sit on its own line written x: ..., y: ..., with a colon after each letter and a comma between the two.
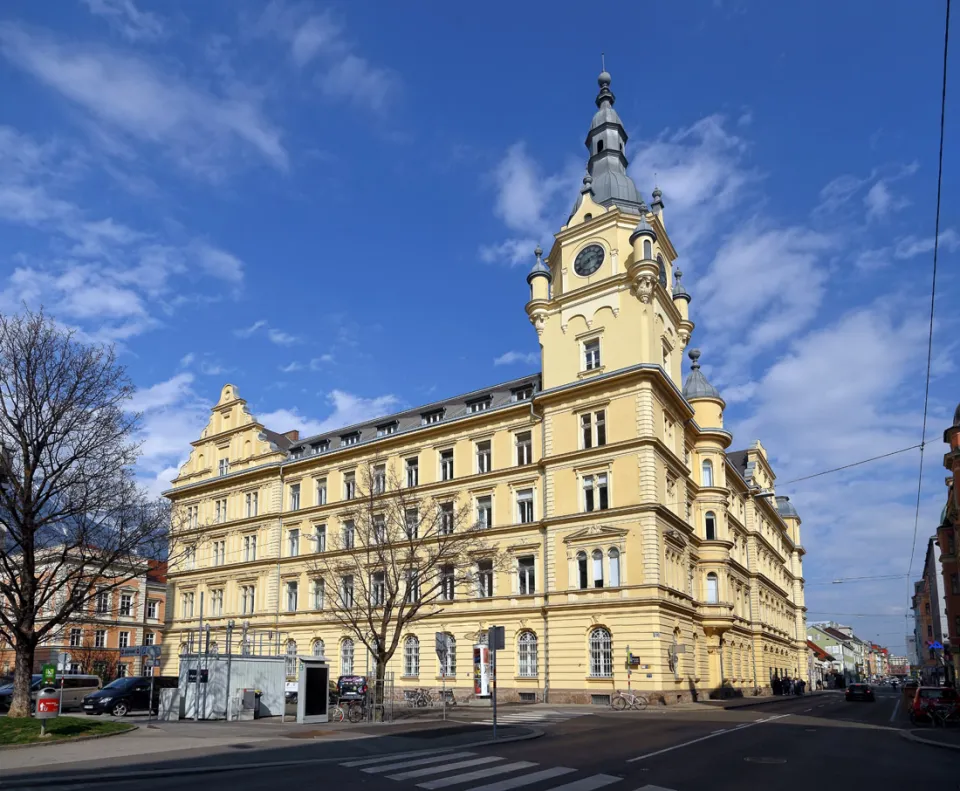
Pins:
x: 779, y: 699
x: 26, y: 781
x: 909, y: 736
x: 90, y: 738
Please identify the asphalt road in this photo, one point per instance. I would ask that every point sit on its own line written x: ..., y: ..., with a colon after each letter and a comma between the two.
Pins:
x: 792, y: 744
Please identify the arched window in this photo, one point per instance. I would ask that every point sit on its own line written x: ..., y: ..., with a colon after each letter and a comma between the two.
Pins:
x: 710, y: 525
x: 291, y: 663
x: 346, y: 657
x: 614, y: 556
x: 582, y: 570
x: 318, y: 647
x: 527, y: 655
x: 713, y: 589
x: 448, y: 668
x: 597, y: 568
x: 663, y: 270
x: 647, y: 250
x: 706, y: 473
x: 411, y: 657
x: 601, y: 653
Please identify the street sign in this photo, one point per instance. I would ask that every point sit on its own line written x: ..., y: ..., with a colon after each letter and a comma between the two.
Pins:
x: 49, y: 674
x: 935, y: 645
x: 442, y: 645
x: 141, y: 650
x: 495, y: 638
x: 132, y: 650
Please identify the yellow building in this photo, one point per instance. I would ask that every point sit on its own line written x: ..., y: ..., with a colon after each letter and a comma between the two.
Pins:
x: 606, y: 481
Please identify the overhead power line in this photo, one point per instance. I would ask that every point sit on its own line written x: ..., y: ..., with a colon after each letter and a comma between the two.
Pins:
x: 853, y: 464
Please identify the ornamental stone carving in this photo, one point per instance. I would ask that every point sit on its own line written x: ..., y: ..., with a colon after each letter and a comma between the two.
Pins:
x: 643, y: 287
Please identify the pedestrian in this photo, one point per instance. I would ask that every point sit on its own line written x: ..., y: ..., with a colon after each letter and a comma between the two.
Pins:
x: 776, y: 685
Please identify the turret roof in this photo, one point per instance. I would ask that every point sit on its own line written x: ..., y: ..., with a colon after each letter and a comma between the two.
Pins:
x: 697, y: 385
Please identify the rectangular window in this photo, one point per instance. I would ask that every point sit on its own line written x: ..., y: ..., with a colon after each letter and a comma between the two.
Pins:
x: 346, y: 590
x: 524, y: 393
x: 446, y: 519
x: 249, y: 548
x: 292, y: 596
x: 379, y: 529
x: 76, y: 638
x: 527, y: 575
x: 525, y: 505
x: 186, y: 605
x: 593, y: 429
x: 446, y: 465
x: 447, y: 582
x: 219, y: 553
x: 152, y: 609
x: 595, y: 492
x: 591, y: 355
x: 485, y: 511
x: 485, y: 579
x: 122, y: 670
x: 293, y: 543
x: 319, y: 591
x: 431, y: 417
x: 479, y: 406
x: 149, y: 638
x: 294, y: 496
x: 378, y: 588
x: 349, y: 534
x: 413, y: 586
x: 484, y: 463
x: 224, y: 466
x: 102, y: 603
x: 352, y: 438
x: 126, y: 605
x: 252, y: 503
x: 411, y: 518
x: 524, y: 448
x: 193, y: 516
x: 321, y: 536
x: 321, y: 491
x: 413, y: 472
x: 349, y: 485
x: 100, y: 638
x: 216, y: 602
x: 190, y: 558
x: 247, y: 599
x: 386, y: 429
x: 379, y: 479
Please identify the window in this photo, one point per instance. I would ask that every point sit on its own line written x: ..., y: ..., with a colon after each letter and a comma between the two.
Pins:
x: 413, y: 586
x: 126, y: 604
x: 224, y: 466
x: 190, y: 558
x: 193, y: 516
x: 479, y: 406
x: 485, y: 511
x: 582, y: 571
x: 294, y: 496
x: 386, y: 429
x: 216, y: 602
x: 706, y: 473
x: 446, y: 519
x: 599, y: 146
x: 379, y: 479
x: 219, y: 553
x: 955, y: 584
x: 525, y: 505
x: 252, y: 503
x: 378, y: 588
x: 411, y: 657
x: 527, y: 575
x: 413, y: 472
x: 448, y: 668
x: 447, y: 583
x: 346, y: 657
x: 485, y: 579
x: 597, y: 558
x: 321, y: 536
x: 292, y: 590
x: 349, y: 485
x: 249, y: 548
x: 601, y: 654
x: 710, y: 526
x: 593, y: 429
x: 431, y: 417
x: 247, y: 597
x: 124, y: 640
x: 293, y: 543
x: 221, y: 510
x: 76, y: 638
x: 186, y: 605
x: 149, y: 638
x: 595, y: 492
x: 591, y: 355
x: 647, y: 250
x: 524, y: 448
x: 713, y: 589
x: 527, y: 655
x: 100, y: 638
x: 349, y: 534
x: 411, y: 523
x: 321, y: 491
x: 122, y: 670
x: 524, y: 393
x: 318, y: 647
x: 319, y: 594
x: 102, y: 605
x: 346, y: 591
x: 951, y: 544
x: 350, y: 439
x: 446, y: 465
x: 483, y: 457
x: 290, y: 663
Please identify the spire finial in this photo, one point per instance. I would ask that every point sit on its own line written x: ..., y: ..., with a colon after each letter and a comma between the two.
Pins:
x: 694, y: 355
x: 538, y: 252
x: 603, y: 61
x: 587, y: 182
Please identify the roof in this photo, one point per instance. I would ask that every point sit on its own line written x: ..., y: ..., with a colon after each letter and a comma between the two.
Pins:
x: 696, y: 385
x: 785, y: 507
x: 738, y: 458
x: 836, y: 633
x: 281, y: 441
x: 819, y: 652
x: 450, y: 409
x: 157, y: 571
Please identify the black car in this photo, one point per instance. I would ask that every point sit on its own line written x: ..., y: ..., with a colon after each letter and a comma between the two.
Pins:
x: 128, y: 694
x: 352, y: 687
x: 860, y: 692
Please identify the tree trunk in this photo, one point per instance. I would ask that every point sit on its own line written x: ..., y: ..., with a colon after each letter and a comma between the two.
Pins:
x: 379, y: 692
x: 20, y: 706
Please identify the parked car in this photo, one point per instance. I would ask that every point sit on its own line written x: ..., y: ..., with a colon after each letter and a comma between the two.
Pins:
x: 131, y: 693
x: 860, y: 692
x: 352, y: 687
x: 929, y: 696
x: 75, y: 688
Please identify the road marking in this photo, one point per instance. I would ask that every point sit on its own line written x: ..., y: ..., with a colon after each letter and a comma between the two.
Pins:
x: 524, y: 780
x: 588, y: 783
x: 390, y: 757
x: 654, y: 788
x: 435, y: 770
x: 719, y: 730
x: 806, y: 710
x: 704, y: 738
x: 480, y: 774
x: 416, y: 762
x: 896, y: 708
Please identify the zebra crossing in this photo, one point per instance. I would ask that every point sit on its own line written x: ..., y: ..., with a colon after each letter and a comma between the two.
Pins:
x: 432, y: 770
x: 526, y: 716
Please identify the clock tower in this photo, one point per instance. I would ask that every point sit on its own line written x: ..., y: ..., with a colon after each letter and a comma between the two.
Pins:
x: 606, y: 297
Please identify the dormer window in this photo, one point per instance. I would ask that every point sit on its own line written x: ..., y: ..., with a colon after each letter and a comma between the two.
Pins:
x: 479, y: 405
x: 350, y: 439
x: 320, y: 447
x: 387, y: 428
x: 524, y: 393
x: 431, y: 417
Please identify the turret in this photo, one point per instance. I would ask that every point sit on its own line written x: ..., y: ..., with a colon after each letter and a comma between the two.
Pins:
x: 644, y: 271
x: 705, y: 399
x: 657, y: 206
x: 681, y: 298
x: 539, y: 280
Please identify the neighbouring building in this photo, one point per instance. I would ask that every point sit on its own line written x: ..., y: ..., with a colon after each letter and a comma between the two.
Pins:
x: 900, y: 666
x: 930, y: 620
x: 948, y: 539
x: 840, y: 643
x: 607, y: 480
x: 822, y: 666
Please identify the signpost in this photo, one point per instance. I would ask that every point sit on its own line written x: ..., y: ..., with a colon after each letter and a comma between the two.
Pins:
x: 443, y: 648
x: 495, y: 640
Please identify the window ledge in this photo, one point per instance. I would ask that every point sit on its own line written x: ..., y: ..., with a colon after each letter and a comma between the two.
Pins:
x: 591, y: 372
x: 526, y: 678
x: 600, y: 679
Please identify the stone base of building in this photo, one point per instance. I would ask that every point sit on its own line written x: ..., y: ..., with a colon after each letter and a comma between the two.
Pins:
x: 596, y: 697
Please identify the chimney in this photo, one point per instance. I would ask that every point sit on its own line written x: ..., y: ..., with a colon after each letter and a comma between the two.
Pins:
x: 293, y: 435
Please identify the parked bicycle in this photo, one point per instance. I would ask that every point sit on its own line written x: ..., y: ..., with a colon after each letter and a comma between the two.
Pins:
x: 628, y: 700
x: 417, y: 697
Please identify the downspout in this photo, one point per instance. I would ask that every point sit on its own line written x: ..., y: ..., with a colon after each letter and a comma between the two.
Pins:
x: 276, y: 617
x: 543, y: 557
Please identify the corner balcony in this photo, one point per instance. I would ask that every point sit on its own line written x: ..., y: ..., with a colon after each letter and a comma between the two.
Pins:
x: 716, y: 617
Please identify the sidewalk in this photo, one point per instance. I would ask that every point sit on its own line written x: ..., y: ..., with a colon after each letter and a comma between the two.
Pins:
x: 760, y: 700
x: 939, y: 737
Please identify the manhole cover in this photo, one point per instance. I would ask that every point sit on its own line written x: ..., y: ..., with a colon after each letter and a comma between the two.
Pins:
x: 765, y: 760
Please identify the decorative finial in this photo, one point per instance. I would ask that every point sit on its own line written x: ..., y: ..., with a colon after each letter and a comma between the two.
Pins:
x: 643, y: 206
x: 694, y: 355
x: 538, y: 252
x: 678, y: 274
x: 587, y: 182
x: 657, y: 194
x: 603, y: 62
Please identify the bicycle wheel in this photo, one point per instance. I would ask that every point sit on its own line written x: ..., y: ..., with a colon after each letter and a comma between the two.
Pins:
x: 619, y: 703
x: 336, y: 714
x: 355, y: 714
x: 639, y: 703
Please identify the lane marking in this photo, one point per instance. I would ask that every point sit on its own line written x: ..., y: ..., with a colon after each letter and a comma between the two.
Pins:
x: 655, y: 788
x: 435, y: 770
x: 806, y: 710
x: 588, y: 783
x: 480, y: 774
x: 525, y: 780
x: 896, y: 708
x: 704, y: 738
x: 418, y: 762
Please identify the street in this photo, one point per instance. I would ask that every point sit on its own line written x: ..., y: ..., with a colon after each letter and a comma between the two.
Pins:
x: 784, y: 745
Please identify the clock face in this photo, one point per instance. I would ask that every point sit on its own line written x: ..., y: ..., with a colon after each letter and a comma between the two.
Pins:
x: 589, y: 260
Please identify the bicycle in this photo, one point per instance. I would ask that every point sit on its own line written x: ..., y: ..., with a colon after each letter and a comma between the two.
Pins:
x: 335, y: 714
x: 628, y: 700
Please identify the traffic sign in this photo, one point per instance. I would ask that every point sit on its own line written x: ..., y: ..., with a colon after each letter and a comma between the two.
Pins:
x: 141, y: 650
x: 442, y: 646
x: 49, y: 674
x: 936, y: 645
x: 495, y: 638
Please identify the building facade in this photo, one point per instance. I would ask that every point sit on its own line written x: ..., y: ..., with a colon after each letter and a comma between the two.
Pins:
x: 608, y: 483
x: 948, y: 539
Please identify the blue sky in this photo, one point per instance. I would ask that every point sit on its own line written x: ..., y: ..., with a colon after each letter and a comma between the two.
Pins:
x: 333, y: 206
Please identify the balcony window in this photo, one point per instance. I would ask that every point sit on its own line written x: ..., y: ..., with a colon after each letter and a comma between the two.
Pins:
x: 713, y: 589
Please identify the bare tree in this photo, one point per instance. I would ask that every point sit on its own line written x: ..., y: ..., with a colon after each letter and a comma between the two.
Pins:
x: 94, y: 659
x: 73, y: 520
x: 398, y: 558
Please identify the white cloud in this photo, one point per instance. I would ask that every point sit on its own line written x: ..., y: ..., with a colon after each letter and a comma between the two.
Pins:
x: 509, y: 358
x: 281, y: 338
x: 128, y: 20
x: 291, y: 367
x: 911, y: 246
x: 347, y: 409
x: 880, y: 201
x: 246, y: 332
x: 318, y: 362
x: 354, y: 78
x: 219, y: 263
x: 187, y: 360
x: 162, y: 394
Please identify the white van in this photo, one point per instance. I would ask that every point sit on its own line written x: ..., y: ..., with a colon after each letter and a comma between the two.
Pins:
x: 75, y: 689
